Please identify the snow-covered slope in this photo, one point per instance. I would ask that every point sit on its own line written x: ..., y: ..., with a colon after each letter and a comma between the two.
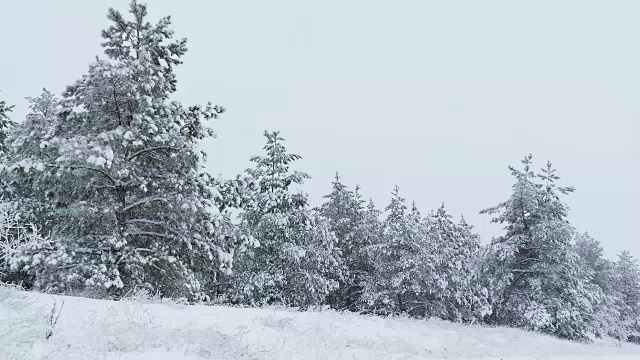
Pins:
x: 128, y: 330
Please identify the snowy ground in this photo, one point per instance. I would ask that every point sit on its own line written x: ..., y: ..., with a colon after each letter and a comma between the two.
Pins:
x: 128, y: 330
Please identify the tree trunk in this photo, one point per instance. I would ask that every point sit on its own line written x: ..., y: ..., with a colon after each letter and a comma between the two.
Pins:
x: 400, y: 304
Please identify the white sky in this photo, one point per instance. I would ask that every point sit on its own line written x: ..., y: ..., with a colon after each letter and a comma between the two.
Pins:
x: 435, y: 96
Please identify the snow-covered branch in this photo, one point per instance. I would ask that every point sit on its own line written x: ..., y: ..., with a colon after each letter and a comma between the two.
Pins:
x: 104, y: 173
x: 14, y: 237
x: 146, y: 200
x: 149, y: 233
x: 143, y: 221
x: 144, y: 151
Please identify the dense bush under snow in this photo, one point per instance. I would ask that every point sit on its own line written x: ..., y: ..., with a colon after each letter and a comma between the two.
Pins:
x: 158, y: 330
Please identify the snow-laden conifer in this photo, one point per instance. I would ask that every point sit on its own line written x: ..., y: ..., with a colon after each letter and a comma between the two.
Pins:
x: 346, y: 214
x: 297, y: 262
x: 113, y: 172
x: 627, y: 283
x: 403, y: 262
x: 539, y: 285
x: 608, y: 304
x: 459, y: 293
x: 5, y: 124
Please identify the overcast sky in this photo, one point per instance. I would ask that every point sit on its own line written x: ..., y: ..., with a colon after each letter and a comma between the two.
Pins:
x: 436, y: 97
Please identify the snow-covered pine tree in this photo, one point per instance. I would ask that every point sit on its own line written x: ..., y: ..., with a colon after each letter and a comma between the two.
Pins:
x: 627, y: 283
x: 372, y: 231
x: 114, y: 174
x: 388, y: 257
x: 37, y: 125
x: 5, y: 125
x: 540, y: 286
x: 421, y: 266
x: 591, y: 255
x: 401, y: 259
x: 476, y: 305
x: 608, y: 304
x: 372, y: 226
x: 362, y: 259
x: 457, y: 292
x: 16, y: 233
x: 297, y: 262
x: 345, y: 212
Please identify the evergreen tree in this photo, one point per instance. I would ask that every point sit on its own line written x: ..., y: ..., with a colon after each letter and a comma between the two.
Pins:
x: 591, y: 254
x: 360, y: 262
x: 18, y: 209
x: 5, y: 125
x: 608, y: 304
x: 24, y: 139
x: 401, y: 261
x: 297, y: 262
x: 460, y: 295
x: 372, y: 226
x: 540, y: 286
x: 346, y: 215
x: 627, y: 282
x: 113, y: 173
x: 372, y: 231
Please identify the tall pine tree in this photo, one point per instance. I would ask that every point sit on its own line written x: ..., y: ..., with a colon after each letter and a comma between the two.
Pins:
x: 540, y: 285
x: 112, y: 171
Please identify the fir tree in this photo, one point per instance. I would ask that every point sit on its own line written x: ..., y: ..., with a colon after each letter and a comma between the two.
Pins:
x: 113, y: 173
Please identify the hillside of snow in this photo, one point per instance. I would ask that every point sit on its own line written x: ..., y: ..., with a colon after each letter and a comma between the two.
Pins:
x: 132, y: 330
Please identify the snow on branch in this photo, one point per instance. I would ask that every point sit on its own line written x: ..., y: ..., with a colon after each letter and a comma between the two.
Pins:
x: 144, y: 151
x: 146, y: 200
x: 14, y: 237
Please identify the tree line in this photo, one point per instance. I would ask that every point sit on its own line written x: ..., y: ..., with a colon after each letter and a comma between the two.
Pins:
x: 104, y: 189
